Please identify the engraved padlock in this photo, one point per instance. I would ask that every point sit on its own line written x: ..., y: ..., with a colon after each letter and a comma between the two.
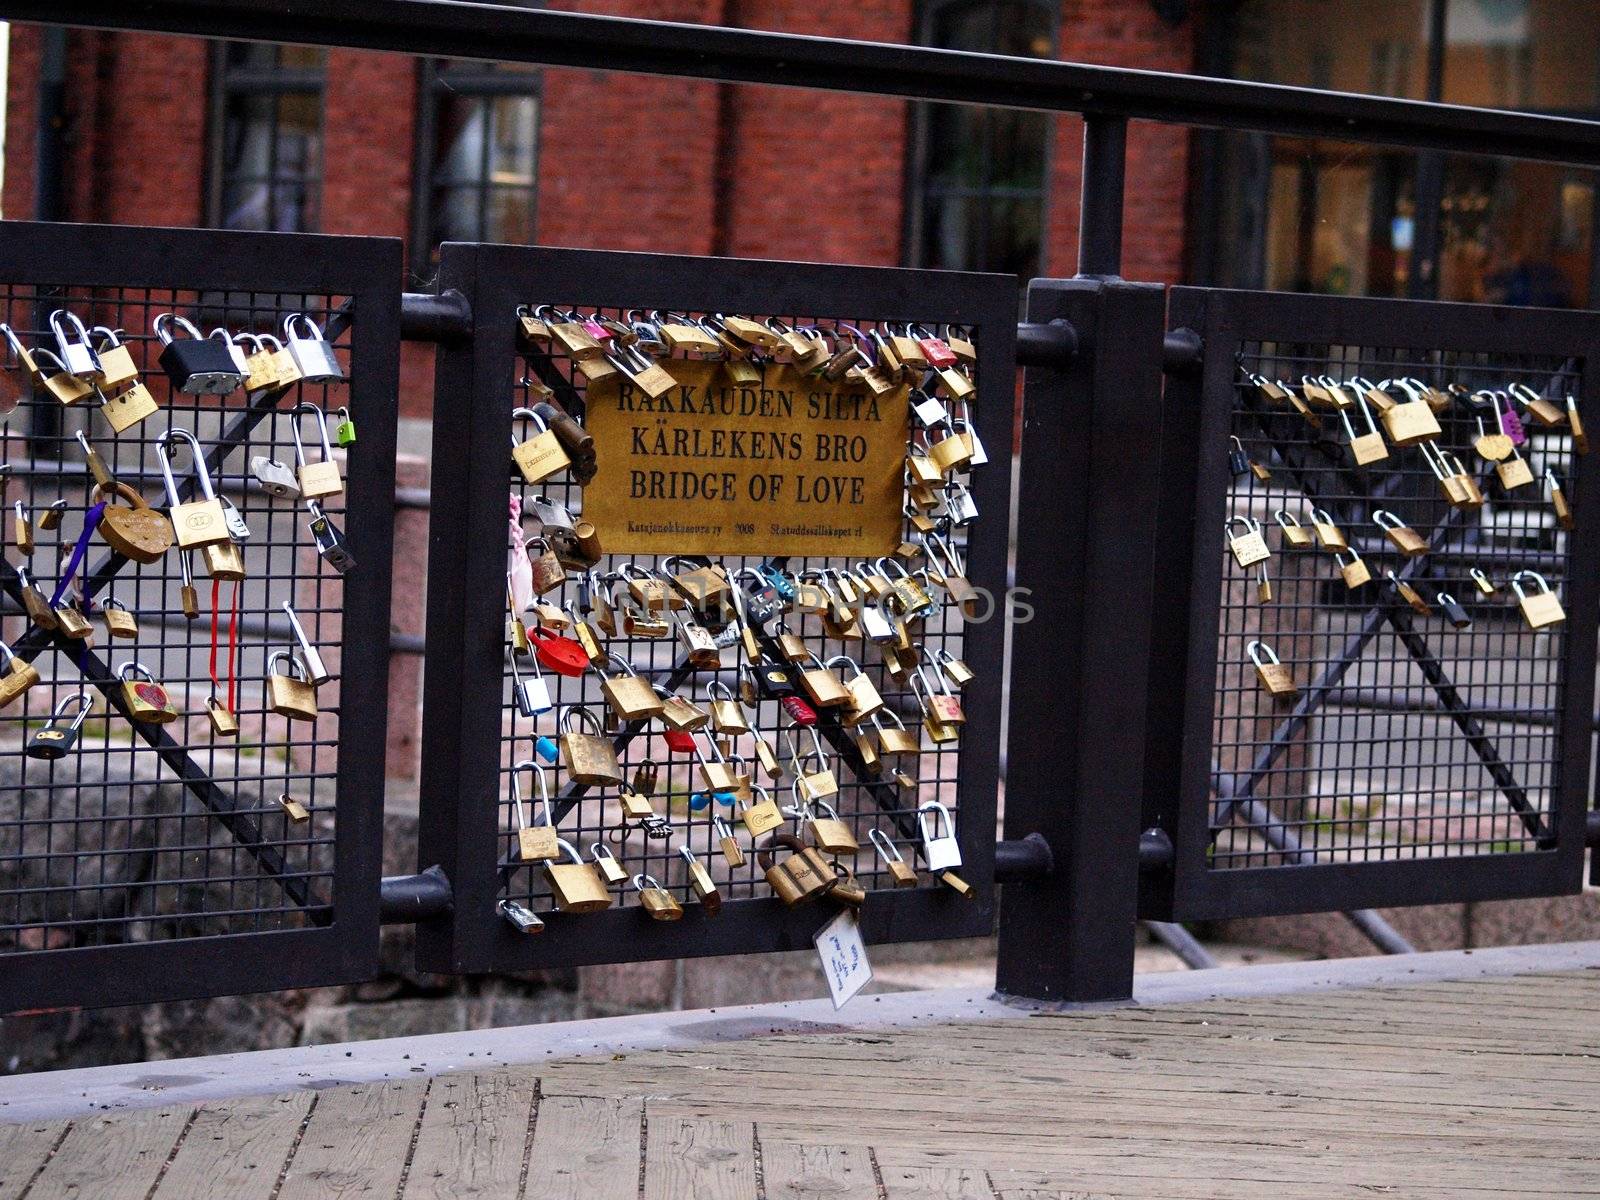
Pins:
x: 146, y: 700
x: 317, y: 479
x: 195, y: 522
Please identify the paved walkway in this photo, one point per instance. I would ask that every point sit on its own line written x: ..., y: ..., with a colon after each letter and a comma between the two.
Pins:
x: 1430, y: 1076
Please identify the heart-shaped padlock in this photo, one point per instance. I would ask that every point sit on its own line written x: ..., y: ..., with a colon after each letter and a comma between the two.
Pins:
x: 139, y: 533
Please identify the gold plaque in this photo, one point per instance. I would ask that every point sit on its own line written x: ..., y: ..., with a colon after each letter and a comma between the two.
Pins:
x: 796, y: 466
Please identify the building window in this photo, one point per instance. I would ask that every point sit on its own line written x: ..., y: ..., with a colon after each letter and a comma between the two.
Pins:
x: 266, y: 137
x: 477, y: 156
x: 976, y: 191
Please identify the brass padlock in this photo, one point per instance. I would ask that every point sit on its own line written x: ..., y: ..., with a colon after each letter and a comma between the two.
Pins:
x: 22, y: 529
x: 727, y: 714
x: 901, y: 873
x: 761, y: 816
x: 588, y: 758
x: 718, y: 775
x: 1294, y: 534
x: 1540, y: 409
x: 317, y: 479
x: 535, y: 843
x: 1410, y: 595
x: 1580, y: 438
x: 20, y: 675
x: 630, y: 695
x: 39, y: 609
x: 223, y: 722
x: 146, y: 701
x: 1558, y: 500
x: 897, y: 741
x: 703, y: 585
x: 1355, y: 571
x: 1249, y: 547
x: 292, y: 695
x: 542, y: 455
x: 701, y: 649
x: 1541, y: 608
x: 943, y: 705
x: 847, y: 889
x: 1329, y: 534
x: 1412, y: 420
x: 293, y: 809
x: 1484, y: 584
x: 115, y: 363
x: 72, y: 623
x: 1513, y: 472
x: 646, y: 777
x: 701, y: 883
x: 732, y: 852
x: 795, y: 879
x: 59, y: 382
x: 195, y: 522
x: 1274, y: 676
x: 606, y: 863
x: 636, y: 805
x: 1366, y: 448
x: 955, y: 670
x: 575, y: 885
x: 822, y: 685
x: 827, y: 832
x: 680, y: 714
x: 656, y: 900
x: 1401, y: 536
x: 51, y: 519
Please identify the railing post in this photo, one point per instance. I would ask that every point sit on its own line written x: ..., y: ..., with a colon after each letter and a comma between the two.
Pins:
x: 1085, y: 552
x: 1105, y: 156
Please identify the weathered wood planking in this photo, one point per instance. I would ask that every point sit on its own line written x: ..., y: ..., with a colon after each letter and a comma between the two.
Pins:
x: 356, y: 1142
x: 705, y: 1160
x: 585, y: 1148
x: 813, y: 1171
x: 471, y: 1139
x: 23, y: 1149
x: 112, y: 1158
x: 236, y: 1150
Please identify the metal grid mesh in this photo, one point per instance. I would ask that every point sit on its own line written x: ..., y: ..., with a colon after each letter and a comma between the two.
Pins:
x: 120, y: 841
x: 1410, y: 738
x: 596, y: 815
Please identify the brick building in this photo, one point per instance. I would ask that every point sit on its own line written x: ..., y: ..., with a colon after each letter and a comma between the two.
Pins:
x: 160, y: 130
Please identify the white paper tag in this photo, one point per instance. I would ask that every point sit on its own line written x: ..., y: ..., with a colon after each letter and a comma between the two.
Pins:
x: 844, y: 957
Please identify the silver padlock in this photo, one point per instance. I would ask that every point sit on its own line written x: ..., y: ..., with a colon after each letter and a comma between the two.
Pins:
x: 959, y: 505
x: 941, y: 850
x: 76, y: 354
x: 237, y: 529
x: 558, y: 527
x: 274, y: 476
x: 532, y: 695
x: 965, y: 424
x: 875, y: 623
x: 929, y: 410
x: 310, y: 658
x: 329, y: 540
x: 522, y: 918
x: 311, y: 351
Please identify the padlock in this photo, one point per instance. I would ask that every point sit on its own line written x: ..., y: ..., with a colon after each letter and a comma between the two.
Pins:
x: 55, y: 739
x: 73, y: 348
x: 1365, y: 448
x: 20, y: 675
x: 344, y: 433
x: 519, y: 916
x: 865, y: 700
x: 828, y: 833
x: 310, y: 657
x: 329, y: 540
x: 701, y: 883
x: 1410, y: 595
x: 146, y: 701
x: 941, y: 702
x: 700, y: 647
x: 727, y: 715
x: 901, y: 873
x: 532, y: 696
x: 636, y: 805
x: 727, y: 843
x: 817, y: 783
x: 1558, y: 501
x: 234, y: 520
x: 1328, y: 534
x: 898, y: 741
x: 1238, y: 460
x: 261, y: 366
x: 1355, y: 572
x: 941, y: 850
x: 797, y: 878
x: 293, y: 809
x: 548, y: 575
x: 959, y: 506
x: 1580, y: 439
x: 71, y: 622
x: 642, y: 371
x: 120, y: 622
x: 223, y: 560
x: 317, y: 479
x: 138, y: 533
x: 1454, y: 611
x: 717, y: 772
x: 52, y: 516
x: 535, y: 843
x: 61, y: 383
x: 629, y: 694
x: 955, y: 670
x: 276, y: 478
x: 822, y: 685
x: 1412, y: 420
x: 575, y: 885
x: 1274, y: 676
x: 312, y: 352
x: 39, y: 609
x: 291, y: 695
x: 648, y: 589
x: 1541, y: 608
x: 588, y: 758
x: 196, y: 522
x: 196, y: 365
x: 659, y: 903
x: 606, y: 863
x: 116, y: 365
x: 759, y: 814
x: 679, y: 714
x: 1484, y: 584
x: 1401, y: 536
x: 187, y: 596
x: 125, y: 409
x: 1249, y: 547
x: 22, y: 529
x: 1542, y: 410
x: 542, y: 455
x: 223, y: 722
x: 915, y: 602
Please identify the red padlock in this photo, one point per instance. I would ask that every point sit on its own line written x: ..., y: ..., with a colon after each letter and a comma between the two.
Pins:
x: 559, y: 654
x: 678, y: 741
x: 799, y: 711
x: 938, y: 354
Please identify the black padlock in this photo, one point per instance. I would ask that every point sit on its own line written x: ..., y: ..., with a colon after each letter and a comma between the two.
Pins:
x: 1238, y: 460
x: 197, y: 365
x: 776, y: 681
x: 1453, y: 611
x: 55, y: 739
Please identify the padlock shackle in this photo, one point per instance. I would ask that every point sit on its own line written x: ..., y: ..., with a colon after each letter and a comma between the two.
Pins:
x: 570, y: 849
x: 163, y: 327
x: 67, y: 316
x: 306, y: 322
x: 131, y: 666
x: 847, y: 661
x: 1258, y: 648
x: 568, y: 711
x: 649, y: 883
x: 935, y: 809
x: 1516, y: 586
x: 85, y: 703
x: 884, y: 845
x: 111, y: 337
x: 164, y: 458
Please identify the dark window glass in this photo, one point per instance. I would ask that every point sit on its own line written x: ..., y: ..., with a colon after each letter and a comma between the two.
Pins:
x: 478, y: 155
x: 267, y: 148
x: 977, y: 182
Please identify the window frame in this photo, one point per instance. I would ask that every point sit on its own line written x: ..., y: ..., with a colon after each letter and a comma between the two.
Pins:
x: 916, y: 190
x: 227, y: 83
x: 436, y: 78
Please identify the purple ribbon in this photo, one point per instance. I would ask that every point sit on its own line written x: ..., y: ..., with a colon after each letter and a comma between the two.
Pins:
x: 90, y: 521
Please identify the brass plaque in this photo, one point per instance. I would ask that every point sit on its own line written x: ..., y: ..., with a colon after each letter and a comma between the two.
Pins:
x: 797, y: 466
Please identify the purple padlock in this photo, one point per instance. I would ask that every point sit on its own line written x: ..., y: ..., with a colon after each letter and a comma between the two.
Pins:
x: 1511, y: 426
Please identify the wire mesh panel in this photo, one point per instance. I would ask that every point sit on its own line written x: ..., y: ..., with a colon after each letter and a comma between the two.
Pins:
x: 173, y: 822
x: 476, y: 732
x: 1391, y: 625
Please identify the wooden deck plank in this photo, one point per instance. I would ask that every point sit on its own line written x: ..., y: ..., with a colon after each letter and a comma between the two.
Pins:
x: 236, y: 1150
x: 705, y: 1160
x: 23, y: 1149
x: 112, y: 1158
x: 908, y: 1175
x: 585, y: 1148
x: 356, y: 1142
x: 472, y: 1135
x: 793, y: 1171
